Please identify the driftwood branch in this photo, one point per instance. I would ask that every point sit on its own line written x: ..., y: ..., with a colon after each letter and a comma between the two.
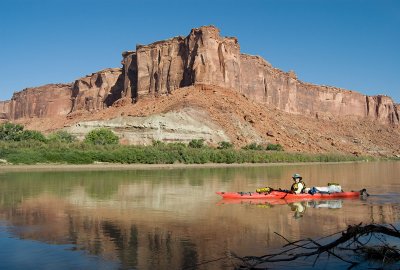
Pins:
x: 349, y: 240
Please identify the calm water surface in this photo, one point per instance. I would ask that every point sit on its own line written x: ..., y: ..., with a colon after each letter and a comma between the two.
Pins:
x: 172, y: 218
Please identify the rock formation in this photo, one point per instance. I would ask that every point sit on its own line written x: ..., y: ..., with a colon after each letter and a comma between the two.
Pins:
x: 129, y: 73
x: 183, y: 125
x: 44, y: 101
x: 203, y: 57
x: 4, y: 110
x: 206, y: 58
x: 97, y: 91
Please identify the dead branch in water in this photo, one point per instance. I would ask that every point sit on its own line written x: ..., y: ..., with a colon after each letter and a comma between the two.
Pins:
x: 349, y: 240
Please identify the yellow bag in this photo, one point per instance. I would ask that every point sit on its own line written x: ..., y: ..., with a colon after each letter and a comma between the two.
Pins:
x: 264, y: 190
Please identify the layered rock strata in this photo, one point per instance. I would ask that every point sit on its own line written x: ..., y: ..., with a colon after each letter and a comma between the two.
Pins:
x: 203, y: 57
x: 183, y: 125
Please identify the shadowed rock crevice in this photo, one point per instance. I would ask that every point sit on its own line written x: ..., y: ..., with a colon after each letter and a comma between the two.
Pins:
x: 129, y: 75
x: 115, y: 91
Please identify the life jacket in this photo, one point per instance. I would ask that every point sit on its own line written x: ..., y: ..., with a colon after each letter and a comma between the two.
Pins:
x: 295, y: 187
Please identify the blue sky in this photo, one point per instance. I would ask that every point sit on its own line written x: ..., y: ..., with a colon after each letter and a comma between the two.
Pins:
x: 352, y: 44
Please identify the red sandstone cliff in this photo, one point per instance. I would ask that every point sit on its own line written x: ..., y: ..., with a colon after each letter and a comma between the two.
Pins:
x: 97, y: 91
x: 44, y: 101
x: 203, y: 57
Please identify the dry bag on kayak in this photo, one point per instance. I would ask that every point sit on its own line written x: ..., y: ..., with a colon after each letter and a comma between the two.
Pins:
x: 264, y: 190
x: 329, y: 189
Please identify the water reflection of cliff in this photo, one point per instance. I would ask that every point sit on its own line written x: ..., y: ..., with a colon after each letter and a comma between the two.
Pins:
x: 164, y: 219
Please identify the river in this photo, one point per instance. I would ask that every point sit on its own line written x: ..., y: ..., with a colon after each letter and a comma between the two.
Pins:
x: 172, y: 218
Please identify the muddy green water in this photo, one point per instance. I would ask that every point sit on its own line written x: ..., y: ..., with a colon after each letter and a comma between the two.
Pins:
x: 172, y: 218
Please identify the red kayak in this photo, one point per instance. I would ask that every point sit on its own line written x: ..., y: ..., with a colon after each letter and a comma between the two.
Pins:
x: 288, y: 196
x: 275, y: 201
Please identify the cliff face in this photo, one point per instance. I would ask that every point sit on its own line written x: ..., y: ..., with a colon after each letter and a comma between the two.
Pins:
x: 4, y: 110
x: 203, y: 57
x: 206, y: 58
x: 44, y: 101
x: 383, y: 109
x: 260, y: 81
x: 212, y: 59
x: 97, y: 91
x: 160, y: 67
x: 129, y: 75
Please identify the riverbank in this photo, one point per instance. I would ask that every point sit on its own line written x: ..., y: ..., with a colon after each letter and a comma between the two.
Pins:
x: 80, y: 153
x: 119, y: 167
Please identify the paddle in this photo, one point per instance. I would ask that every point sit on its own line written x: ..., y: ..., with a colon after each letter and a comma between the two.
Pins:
x: 286, y: 191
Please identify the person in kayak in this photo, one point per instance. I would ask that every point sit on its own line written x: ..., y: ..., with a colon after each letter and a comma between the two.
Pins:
x: 298, y: 186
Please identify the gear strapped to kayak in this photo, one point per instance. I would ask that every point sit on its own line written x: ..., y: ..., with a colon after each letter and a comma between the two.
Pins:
x: 264, y: 190
x: 276, y: 194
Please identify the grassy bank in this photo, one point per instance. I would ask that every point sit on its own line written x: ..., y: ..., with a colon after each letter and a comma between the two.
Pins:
x: 34, y: 152
x: 19, y: 146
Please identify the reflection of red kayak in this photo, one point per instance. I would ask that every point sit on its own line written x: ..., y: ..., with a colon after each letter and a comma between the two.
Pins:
x: 289, y: 196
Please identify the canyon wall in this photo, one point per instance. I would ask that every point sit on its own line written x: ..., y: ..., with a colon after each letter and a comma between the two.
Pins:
x: 129, y: 75
x: 44, y: 101
x: 93, y: 92
x: 4, y: 110
x: 160, y: 67
x: 203, y: 57
x: 97, y: 91
x: 260, y: 81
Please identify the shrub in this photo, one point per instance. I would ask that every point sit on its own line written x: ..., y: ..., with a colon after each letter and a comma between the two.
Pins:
x: 16, y: 132
x: 196, y: 143
x: 32, y: 135
x: 34, y: 151
x: 176, y: 146
x: 11, y: 132
x: 62, y: 136
x: 274, y: 147
x: 158, y: 143
x: 225, y: 145
x: 101, y: 136
x: 253, y: 146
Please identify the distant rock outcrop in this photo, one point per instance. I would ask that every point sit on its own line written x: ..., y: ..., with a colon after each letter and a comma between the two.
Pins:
x: 44, y: 101
x: 97, y: 91
x: 206, y: 58
x: 4, y: 110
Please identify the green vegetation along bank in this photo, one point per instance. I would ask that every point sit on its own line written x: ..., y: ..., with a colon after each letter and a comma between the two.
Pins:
x: 19, y: 146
